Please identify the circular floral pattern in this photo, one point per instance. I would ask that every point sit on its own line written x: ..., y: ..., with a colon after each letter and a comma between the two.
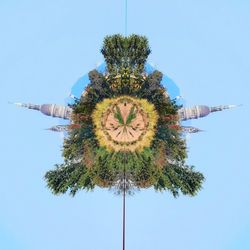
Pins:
x: 125, y: 129
x: 125, y: 123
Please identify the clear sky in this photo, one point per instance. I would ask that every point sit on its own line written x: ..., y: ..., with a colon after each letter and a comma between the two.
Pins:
x: 45, y: 46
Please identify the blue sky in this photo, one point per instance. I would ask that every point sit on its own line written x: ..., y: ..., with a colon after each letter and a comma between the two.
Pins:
x: 46, y: 46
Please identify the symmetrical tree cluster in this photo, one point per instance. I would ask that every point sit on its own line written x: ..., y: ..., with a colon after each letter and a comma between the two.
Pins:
x: 88, y: 164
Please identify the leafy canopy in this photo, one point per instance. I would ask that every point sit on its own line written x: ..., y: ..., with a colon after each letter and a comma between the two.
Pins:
x: 87, y: 164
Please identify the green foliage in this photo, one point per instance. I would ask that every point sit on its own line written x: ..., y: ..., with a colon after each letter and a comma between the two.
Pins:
x: 125, y: 52
x: 118, y: 115
x: 87, y: 164
x: 131, y: 115
x: 177, y: 178
x: 69, y: 176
